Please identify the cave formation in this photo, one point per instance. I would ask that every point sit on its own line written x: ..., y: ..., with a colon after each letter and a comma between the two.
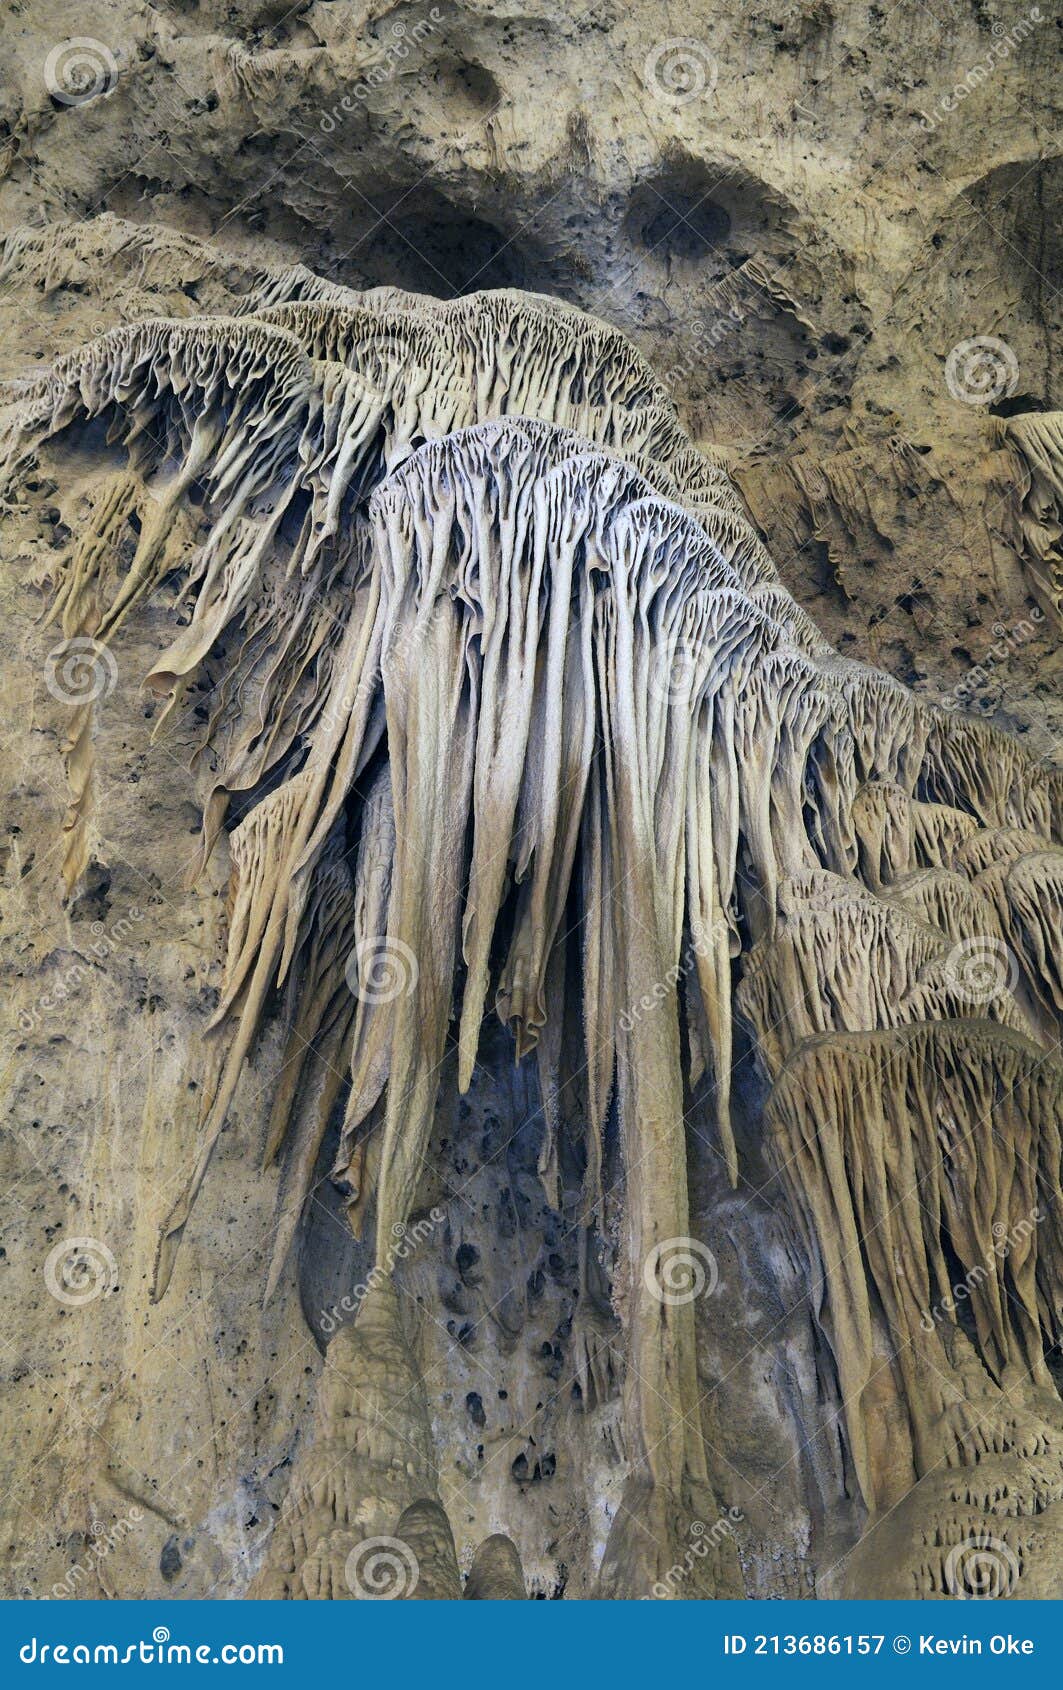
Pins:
x: 515, y: 719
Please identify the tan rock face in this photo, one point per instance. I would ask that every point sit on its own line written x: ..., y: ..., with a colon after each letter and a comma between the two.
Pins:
x: 379, y: 663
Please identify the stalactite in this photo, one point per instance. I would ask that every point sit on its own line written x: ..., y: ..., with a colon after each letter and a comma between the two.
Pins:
x: 890, y: 1142
x: 488, y: 626
x: 1035, y: 439
x: 370, y: 1458
x: 496, y: 1574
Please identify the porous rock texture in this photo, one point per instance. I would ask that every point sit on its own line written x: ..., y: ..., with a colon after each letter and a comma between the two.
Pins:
x: 532, y: 1065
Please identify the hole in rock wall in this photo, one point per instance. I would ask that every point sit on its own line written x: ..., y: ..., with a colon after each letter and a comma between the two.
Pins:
x: 1023, y: 205
x: 434, y: 247
x: 1017, y: 404
x: 467, y: 90
x: 675, y: 217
